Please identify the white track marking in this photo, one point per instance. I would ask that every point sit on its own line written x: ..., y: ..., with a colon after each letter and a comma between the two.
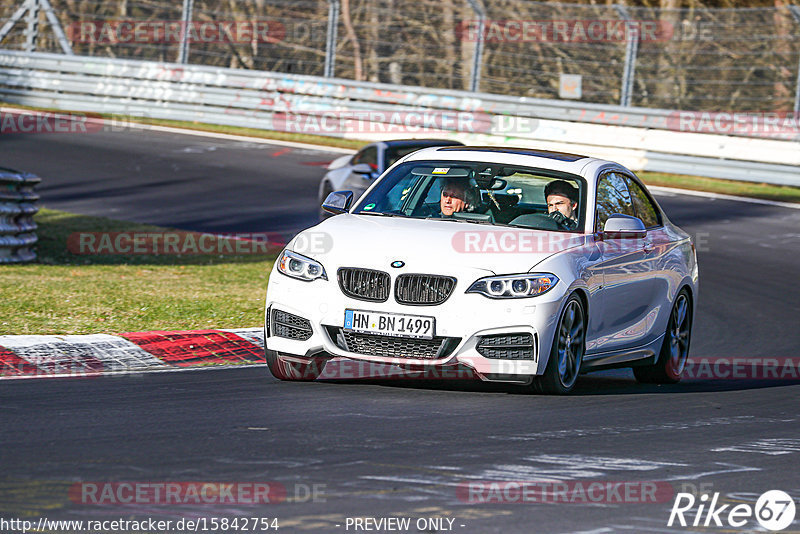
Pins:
x: 719, y: 196
x: 771, y: 447
x: 577, y: 461
x: 622, y: 430
x: 730, y: 468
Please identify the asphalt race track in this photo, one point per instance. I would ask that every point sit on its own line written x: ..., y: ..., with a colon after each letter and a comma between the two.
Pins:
x: 184, y: 181
x: 406, y: 448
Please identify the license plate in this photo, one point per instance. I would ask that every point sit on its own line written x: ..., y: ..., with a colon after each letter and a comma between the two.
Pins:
x: 389, y: 324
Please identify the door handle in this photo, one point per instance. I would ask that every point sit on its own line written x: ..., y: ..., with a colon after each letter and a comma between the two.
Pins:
x: 649, y: 247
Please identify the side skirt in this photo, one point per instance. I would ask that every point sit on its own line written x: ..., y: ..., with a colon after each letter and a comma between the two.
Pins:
x: 644, y: 355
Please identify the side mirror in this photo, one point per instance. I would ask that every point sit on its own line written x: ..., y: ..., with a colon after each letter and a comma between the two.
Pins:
x: 362, y: 168
x: 623, y: 226
x: 338, y: 202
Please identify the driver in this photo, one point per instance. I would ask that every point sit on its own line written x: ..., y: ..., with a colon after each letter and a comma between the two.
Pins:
x: 455, y: 197
x: 562, y: 203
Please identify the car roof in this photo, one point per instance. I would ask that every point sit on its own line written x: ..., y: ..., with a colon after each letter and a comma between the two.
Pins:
x: 528, y: 157
x: 422, y: 142
x: 561, y: 156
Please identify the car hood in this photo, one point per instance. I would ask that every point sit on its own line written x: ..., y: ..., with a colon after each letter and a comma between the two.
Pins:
x: 428, y: 246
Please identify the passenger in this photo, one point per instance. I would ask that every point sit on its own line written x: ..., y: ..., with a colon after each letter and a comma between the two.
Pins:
x: 562, y: 203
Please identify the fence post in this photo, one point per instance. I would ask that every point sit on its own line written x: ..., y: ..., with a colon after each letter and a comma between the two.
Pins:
x: 32, y: 31
x: 186, y: 20
x: 55, y: 24
x: 796, y: 13
x: 475, y: 80
x: 631, y: 49
x: 330, y: 45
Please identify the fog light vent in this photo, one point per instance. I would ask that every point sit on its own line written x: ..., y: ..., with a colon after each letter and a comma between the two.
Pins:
x: 290, y: 326
x: 507, y: 346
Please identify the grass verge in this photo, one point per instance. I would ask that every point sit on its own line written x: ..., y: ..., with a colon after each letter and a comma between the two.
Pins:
x: 67, y: 293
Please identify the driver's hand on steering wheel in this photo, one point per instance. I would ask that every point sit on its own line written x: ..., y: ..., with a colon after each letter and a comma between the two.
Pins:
x: 562, y: 220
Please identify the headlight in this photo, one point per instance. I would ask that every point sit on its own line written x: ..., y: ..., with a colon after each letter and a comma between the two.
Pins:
x: 514, y: 286
x: 300, y: 267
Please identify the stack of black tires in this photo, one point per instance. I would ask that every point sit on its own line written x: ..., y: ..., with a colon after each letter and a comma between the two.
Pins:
x: 17, y: 208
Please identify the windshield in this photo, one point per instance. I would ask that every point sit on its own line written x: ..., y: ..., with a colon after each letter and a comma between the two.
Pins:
x: 480, y: 192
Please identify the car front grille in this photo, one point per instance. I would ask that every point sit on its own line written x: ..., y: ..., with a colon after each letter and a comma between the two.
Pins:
x: 423, y: 289
x: 290, y: 326
x: 364, y: 284
x: 393, y: 346
x: 507, y: 346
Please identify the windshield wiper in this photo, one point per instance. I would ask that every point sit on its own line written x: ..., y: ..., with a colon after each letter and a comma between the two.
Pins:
x: 381, y: 214
x: 454, y: 219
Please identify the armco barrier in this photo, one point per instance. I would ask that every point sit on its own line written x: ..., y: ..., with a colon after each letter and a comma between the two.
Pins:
x: 643, y: 139
x: 17, y: 208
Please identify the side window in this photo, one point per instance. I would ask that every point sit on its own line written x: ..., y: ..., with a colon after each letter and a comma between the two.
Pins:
x: 368, y: 155
x: 434, y: 193
x: 645, y: 209
x: 397, y: 194
x: 612, y: 197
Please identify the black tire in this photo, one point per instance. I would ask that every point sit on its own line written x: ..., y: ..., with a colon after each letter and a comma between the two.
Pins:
x: 326, y: 190
x: 566, y: 355
x: 675, y: 348
x: 284, y: 369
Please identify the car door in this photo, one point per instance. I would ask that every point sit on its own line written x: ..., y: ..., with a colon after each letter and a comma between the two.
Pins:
x: 658, y: 249
x: 626, y: 296
x: 358, y: 182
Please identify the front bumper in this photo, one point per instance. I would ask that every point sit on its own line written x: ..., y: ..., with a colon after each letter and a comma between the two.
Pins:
x: 462, y: 321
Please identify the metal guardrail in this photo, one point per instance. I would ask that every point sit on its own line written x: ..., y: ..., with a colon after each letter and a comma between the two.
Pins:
x: 613, y: 52
x: 641, y: 138
x: 17, y: 208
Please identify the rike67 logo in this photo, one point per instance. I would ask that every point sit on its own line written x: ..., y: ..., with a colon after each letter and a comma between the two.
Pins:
x: 774, y: 510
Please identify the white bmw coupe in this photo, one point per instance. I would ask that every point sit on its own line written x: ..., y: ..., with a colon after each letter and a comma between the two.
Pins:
x: 519, y: 265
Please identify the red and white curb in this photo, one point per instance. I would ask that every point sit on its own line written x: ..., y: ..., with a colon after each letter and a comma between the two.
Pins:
x: 54, y: 356
x: 99, y: 354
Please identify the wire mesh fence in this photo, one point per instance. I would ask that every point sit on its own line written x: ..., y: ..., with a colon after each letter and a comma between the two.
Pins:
x: 743, y: 59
